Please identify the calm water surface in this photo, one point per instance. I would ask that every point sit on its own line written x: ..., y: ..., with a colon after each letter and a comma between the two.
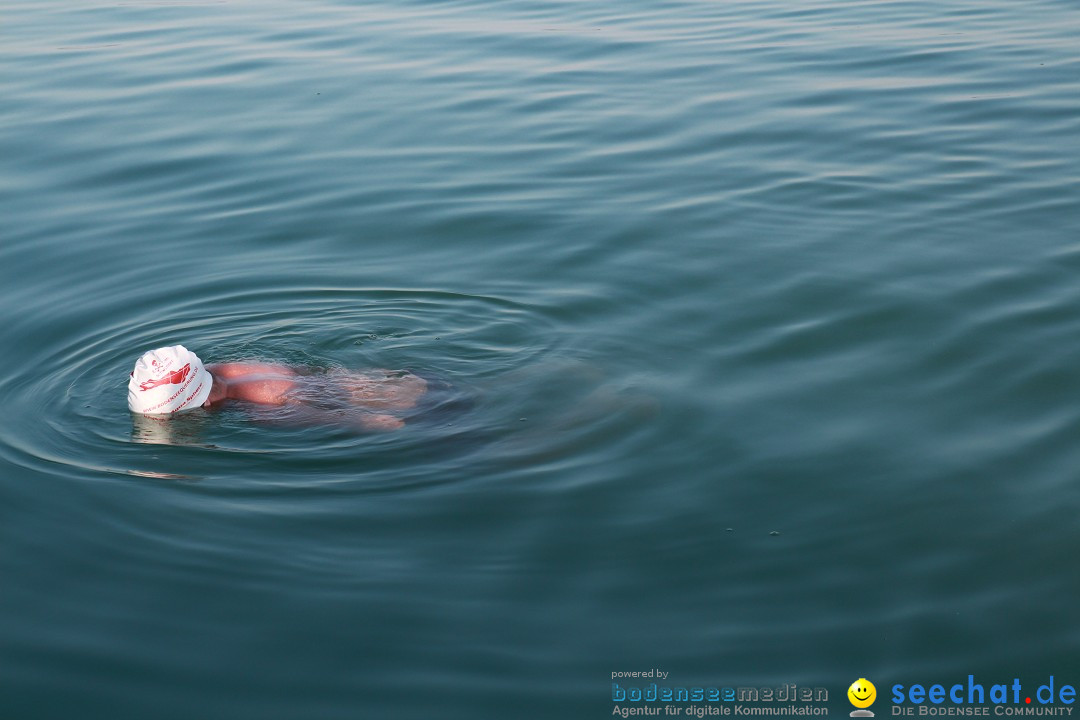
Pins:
x: 767, y: 315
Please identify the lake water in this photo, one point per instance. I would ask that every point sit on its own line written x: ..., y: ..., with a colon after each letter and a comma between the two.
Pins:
x: 764, y: 315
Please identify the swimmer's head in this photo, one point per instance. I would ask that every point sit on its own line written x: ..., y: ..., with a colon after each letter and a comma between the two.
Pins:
x: 168, y: 380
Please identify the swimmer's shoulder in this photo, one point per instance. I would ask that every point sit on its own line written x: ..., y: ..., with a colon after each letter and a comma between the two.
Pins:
x: 236, y: 370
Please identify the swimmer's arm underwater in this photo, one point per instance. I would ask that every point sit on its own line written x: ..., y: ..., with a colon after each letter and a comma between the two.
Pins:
x: 270, y: 385
x: 381, y: 422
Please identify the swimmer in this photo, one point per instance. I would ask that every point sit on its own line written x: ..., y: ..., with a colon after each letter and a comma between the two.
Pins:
x: 173, y: 379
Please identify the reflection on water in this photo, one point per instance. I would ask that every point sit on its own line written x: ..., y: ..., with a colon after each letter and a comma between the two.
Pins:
x: 181, y: 429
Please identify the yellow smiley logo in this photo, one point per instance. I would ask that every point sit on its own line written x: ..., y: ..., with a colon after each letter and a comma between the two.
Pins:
x: 862, y: 693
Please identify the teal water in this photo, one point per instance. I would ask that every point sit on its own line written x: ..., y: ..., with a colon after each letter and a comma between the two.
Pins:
x: 768, y: 315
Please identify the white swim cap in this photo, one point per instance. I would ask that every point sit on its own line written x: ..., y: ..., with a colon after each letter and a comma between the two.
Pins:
x: 168, y: 380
